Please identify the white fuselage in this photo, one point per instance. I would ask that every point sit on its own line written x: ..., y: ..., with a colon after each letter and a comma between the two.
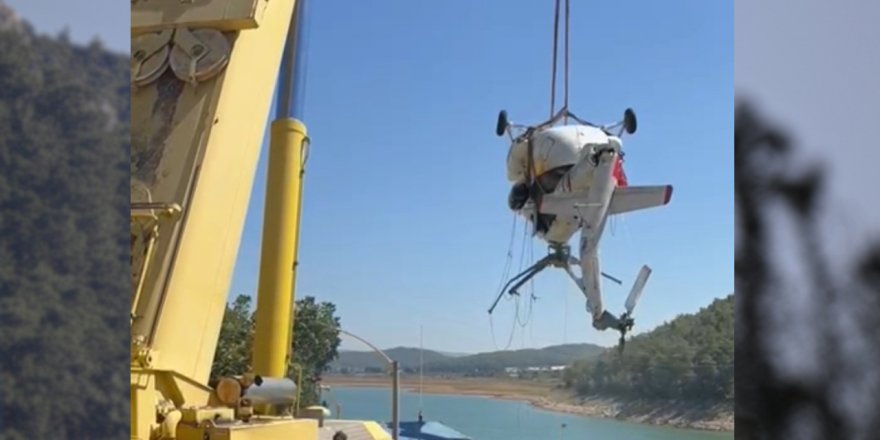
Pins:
x: 570, y: 178
x: 573, y: 146
x: 592, y: 158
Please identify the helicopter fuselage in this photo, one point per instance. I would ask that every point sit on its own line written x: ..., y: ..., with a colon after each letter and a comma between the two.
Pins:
x: 568, y: 178
x: 568, y: 159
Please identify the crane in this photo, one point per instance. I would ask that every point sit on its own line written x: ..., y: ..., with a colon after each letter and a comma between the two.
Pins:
x: 203, y: 74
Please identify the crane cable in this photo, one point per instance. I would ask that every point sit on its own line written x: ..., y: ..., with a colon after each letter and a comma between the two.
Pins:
x: 532, y: 298
x: 555, y: 58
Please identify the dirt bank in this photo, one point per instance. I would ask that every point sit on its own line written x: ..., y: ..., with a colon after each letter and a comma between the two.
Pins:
x: 680, y: 415
x: 548, y: 395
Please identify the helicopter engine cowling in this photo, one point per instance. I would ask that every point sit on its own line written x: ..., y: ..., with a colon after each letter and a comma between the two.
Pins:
x: 552, y: 148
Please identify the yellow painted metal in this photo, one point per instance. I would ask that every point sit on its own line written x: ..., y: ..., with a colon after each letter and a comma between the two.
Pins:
x: 272, y: 429
x: 196, y: 146
x: 376, y: 431
x: 150, y: 386
x: 281, y: 429
x: 143, y: 405
x: 145, y: 232
x: 299, y: 200
x: 224, y: 15
x: 274, y: 316
x: 198, y: 416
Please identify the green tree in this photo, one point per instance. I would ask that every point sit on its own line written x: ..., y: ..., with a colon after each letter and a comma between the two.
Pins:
x: 315, y: 342
x: 233, y: 355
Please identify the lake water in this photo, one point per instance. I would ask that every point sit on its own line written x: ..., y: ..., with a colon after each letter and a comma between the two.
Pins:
x: 483, y: 418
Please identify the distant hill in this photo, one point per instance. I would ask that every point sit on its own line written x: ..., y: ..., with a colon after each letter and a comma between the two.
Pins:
x: 690, y: 357
x: 496, y: 361
x: 455, y: 355
x: 364, y: 360
x: 482, y: 363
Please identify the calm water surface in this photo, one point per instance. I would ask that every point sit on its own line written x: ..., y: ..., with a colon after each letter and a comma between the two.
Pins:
x: 490, y: 419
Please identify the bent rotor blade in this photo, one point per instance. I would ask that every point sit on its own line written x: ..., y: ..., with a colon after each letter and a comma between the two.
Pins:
x: 637, y: 288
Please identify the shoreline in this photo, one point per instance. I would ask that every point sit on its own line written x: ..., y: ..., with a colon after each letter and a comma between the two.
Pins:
x: 549, y: 396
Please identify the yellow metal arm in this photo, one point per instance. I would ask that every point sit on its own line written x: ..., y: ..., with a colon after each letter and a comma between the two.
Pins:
x: 203, y: 75
x: 274, y: 317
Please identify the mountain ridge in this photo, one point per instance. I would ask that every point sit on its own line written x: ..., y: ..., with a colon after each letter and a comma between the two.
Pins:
x: 353, y: 361
x: 490, y: 362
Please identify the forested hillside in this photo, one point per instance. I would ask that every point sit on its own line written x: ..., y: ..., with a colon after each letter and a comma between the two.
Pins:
x: 481, y: 364
x: 64, y: 147
x: 690, y: 357
x: 496, y: 361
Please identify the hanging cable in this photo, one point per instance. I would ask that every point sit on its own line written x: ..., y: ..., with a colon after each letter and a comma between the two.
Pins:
x: 512, y: 332
x: 555, y: 50
x: 504, y: 275
x: 531, y: 295
x: 565, y: 105
x: 505, y: 272
x: 555, y: 57
x: 565, y: 316
x: 421, y: 367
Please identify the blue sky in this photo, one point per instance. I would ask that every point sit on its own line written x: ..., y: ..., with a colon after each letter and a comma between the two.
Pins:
x: 405, y: 221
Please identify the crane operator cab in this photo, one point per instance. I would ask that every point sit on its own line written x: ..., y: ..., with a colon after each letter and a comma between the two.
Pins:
x: 555, y: 155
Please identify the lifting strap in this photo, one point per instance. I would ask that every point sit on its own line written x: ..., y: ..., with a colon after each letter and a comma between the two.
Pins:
x: 555, y: 57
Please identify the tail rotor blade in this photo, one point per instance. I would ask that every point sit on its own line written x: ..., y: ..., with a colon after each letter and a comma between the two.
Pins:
x: 637, y: 288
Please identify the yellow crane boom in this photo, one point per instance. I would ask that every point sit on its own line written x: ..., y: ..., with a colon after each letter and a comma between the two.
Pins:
x: 203, y: 75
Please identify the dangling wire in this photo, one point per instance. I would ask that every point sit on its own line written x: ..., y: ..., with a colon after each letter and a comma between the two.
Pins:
x: 505, y: 273
x: 531, y: 246
x: 526, y: 242
x: 512, y: 331
x: 421, y: 366
x: 532, y: 296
